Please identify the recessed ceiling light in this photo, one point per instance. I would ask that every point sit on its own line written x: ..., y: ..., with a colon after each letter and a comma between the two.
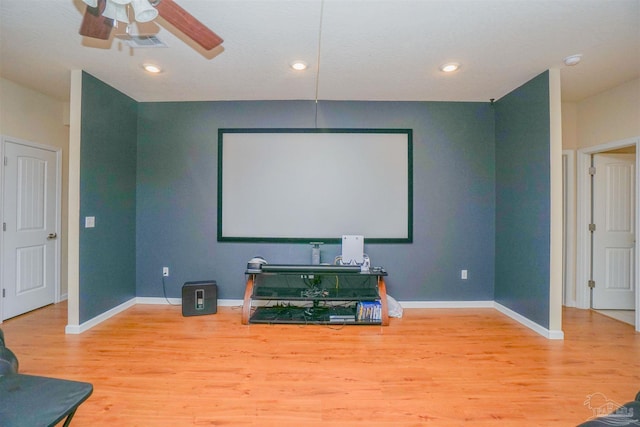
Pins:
x: 449, y: 67
x: 152, y: 68
x: 572, y: 59
x: 299, y: 65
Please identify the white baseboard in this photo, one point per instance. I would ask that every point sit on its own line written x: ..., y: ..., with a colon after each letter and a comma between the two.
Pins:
x: 178, y: 301
x: 78, y: 329
x: 446, y: 304
x: 554, y: 335
x: 547, y: 333
x: 158, y: 301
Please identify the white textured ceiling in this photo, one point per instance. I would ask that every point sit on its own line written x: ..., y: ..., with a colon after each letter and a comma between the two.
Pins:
x: 356, y: 49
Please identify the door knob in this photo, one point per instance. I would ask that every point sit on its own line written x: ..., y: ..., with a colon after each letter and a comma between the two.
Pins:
x: 52, y: 236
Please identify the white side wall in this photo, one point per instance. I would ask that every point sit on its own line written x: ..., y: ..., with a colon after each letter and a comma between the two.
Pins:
x: 31, y: 116
x: 569, y: 126
x: 606, y: 118
x: 613, y: 115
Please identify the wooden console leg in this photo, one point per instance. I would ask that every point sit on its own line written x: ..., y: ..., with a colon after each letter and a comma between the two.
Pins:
x: 382, y: 291
x: 246, y: 306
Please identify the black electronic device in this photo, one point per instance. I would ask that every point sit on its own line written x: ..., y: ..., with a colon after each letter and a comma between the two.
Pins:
x: 199, y: 298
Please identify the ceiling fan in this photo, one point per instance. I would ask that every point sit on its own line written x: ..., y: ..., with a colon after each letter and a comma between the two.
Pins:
x: 101, y: 16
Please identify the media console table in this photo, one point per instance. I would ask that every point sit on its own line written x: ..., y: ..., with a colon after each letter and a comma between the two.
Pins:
x: 319, y: 294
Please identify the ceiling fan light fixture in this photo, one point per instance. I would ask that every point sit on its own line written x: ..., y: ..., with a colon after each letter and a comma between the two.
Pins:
x: 299, y: 65
x: 97, y: 26
x: 143, y: 11
x: 449, y: 67
x: 151, y: 68
x: 116, y: 12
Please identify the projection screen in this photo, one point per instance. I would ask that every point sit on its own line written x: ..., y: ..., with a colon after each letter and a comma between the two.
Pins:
x: 315, y: 185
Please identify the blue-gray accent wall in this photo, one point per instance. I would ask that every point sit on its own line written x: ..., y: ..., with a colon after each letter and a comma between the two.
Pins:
x: 107, y: 192
x: 453, y: 183
x: 480, y: 182
x: 523, y: 195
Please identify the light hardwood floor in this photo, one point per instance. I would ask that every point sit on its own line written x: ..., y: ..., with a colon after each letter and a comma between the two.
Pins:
x: 434, y: 367
x: 626, y: 316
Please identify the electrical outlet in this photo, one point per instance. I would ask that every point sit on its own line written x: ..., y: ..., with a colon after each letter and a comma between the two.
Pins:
x: 165, y: 271
x: 463, y: 274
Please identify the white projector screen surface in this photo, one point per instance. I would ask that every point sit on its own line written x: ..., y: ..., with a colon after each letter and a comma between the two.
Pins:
x: 314, y: 184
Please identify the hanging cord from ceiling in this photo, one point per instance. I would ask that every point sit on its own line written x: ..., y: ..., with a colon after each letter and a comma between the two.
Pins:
x: 318, y: 58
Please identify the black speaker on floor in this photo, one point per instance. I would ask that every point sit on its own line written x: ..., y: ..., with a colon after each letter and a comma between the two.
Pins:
x: 199, y: 298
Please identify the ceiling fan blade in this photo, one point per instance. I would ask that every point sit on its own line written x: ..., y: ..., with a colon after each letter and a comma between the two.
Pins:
x: 94, y: 24
x: 171, y: 12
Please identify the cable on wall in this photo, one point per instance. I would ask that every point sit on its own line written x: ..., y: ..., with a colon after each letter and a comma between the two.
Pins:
x: 164, y: 291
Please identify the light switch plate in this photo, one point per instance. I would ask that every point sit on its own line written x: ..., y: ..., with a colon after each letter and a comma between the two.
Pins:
x: 89, y: 221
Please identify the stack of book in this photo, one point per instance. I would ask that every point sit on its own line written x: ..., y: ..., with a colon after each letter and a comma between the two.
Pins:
x: 369, y: 311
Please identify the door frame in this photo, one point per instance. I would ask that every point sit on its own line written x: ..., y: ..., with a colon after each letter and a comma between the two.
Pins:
x: 569, y: 238
x: 584, y: 218
x: 58, y: 209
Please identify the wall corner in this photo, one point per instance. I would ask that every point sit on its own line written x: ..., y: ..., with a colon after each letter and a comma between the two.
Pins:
x: 556, y: 225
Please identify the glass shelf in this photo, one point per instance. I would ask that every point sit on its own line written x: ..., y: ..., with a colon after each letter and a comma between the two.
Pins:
x: 315, y: 287
x: 321, y: 315
x: 312, y: 296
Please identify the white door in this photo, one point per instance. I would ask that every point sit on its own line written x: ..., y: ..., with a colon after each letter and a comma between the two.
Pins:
x: 29, y: 264
x: 614, y: 236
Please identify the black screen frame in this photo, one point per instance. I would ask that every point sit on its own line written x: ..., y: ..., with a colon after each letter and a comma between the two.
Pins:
x: 408, y: 238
